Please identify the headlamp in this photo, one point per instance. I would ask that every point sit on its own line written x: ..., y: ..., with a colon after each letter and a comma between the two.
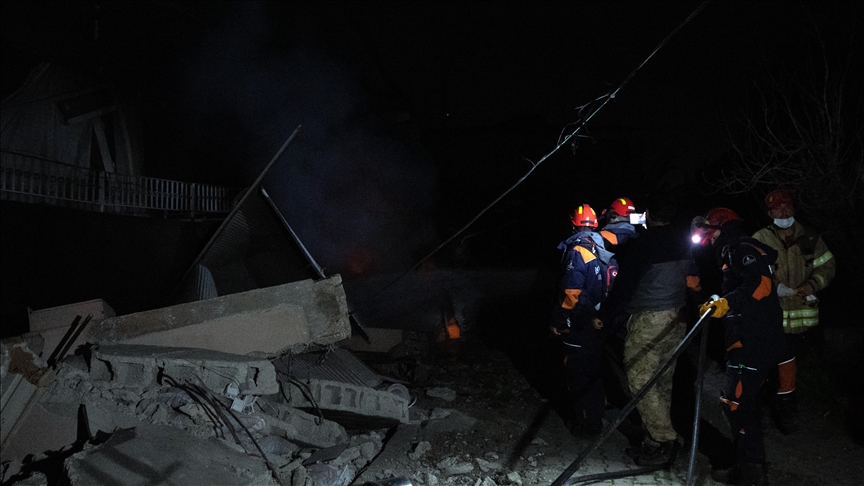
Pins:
x: 701, y: 231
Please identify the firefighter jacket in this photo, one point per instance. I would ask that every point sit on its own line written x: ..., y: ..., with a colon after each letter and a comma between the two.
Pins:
x: 582, y: 281
x: 654, y: 274
x: 754, y: 319
x: 802, y: 258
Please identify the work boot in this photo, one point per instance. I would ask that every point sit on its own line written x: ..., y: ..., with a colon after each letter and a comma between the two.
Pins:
x: 784, y: 410
x: 730, y: 475
x: 753, y: 474
x: 661, y: 455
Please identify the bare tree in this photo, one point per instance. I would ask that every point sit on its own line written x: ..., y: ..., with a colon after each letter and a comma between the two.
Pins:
x: 805, y: 133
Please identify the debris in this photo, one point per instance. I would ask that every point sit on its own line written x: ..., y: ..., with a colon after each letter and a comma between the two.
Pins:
x: 445, y: 394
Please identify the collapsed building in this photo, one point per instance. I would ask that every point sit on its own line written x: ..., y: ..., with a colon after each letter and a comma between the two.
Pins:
x: 247, y: 379
x: 244, y: 378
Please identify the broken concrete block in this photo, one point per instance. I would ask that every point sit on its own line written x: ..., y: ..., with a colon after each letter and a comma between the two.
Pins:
x: 138, y: 367
x: 355, y: 407
x: 22, y: 372
x: 63, y: 315
x: 51, y: 325
x: 269, y: 322
x: 300, y: 427
x: 452, y: 466
x: 159, y: 454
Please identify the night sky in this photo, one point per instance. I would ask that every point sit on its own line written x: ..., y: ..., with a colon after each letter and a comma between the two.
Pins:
x: 417, y: 115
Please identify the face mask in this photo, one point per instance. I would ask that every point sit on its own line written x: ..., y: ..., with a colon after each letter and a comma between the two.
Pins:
x: 784, y: 223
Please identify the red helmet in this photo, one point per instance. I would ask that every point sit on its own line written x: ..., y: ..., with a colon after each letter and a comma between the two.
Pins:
x: 584, y: 216
x: 778, y: 198
x: 621, y: 206
x: 720, y: 216
x: 703, y: 229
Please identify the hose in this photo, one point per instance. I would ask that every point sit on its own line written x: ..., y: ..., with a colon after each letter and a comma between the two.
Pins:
x: 607, y: 431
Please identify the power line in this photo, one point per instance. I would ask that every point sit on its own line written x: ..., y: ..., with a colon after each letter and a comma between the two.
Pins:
x: 600, y: 102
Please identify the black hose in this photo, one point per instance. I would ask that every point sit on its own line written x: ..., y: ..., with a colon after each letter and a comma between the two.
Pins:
x: 607, y: 431
x: 700, y: 372
x: 615, y: 474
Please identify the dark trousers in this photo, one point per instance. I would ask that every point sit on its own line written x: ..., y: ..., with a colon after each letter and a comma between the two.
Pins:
x: 745, y: 375
x: 583, y: 359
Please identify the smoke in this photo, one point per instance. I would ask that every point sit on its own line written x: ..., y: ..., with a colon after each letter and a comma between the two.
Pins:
x: 357, y: 193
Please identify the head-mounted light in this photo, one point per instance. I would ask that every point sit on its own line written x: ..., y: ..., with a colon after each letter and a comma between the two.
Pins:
x: 701, y: 231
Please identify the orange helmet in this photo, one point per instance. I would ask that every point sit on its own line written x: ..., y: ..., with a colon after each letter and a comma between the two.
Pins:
x: 621, y: 206
x: 720, y: 216
x: 584, y: 216
x: 703, y: 229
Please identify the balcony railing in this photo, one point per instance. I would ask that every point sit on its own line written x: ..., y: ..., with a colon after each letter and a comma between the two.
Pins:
x: 31, y: 179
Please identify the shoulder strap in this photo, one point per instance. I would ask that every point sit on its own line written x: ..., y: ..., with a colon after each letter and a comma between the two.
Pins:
x: 587, y: 242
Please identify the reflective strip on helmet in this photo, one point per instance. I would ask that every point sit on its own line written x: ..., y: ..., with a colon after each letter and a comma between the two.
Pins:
x: 822, y: 259
x: 797, y: 319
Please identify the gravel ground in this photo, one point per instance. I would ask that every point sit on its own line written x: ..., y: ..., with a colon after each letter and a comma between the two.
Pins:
x: 489, y: 415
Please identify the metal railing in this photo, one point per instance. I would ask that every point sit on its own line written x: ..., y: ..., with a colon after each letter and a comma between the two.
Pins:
x: 31, y: 179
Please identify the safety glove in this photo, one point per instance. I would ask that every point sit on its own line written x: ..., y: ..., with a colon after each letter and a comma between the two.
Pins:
x: 720, y: 305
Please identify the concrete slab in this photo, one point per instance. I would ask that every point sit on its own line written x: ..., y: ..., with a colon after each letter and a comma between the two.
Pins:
x: 300, y: 427
x: 268, y: 322
x: 38, y: 430
x: 63, y: 315
x: 158, y: 454
x: 355, y: 407
x: 137, y: 367
x: 22, y: 372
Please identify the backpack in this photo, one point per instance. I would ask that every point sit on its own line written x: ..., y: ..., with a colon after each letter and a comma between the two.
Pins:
x: 608, y: 270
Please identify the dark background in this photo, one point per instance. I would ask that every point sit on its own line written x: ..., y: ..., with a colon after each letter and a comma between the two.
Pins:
x: 417, y: 115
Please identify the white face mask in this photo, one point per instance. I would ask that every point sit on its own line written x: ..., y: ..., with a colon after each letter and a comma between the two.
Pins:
x: 784, y: 223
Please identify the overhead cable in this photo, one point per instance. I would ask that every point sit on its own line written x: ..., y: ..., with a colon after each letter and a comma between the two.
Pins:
x: 561, y: 142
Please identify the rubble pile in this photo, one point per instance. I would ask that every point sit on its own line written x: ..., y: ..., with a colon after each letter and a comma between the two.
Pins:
x: 265, y: 387
x: 194, y: 413
x: 119, y: 409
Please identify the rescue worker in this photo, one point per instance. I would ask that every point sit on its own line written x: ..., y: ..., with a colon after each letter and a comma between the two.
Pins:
x: 653, y: 287
x: 617, y: 229
x: 753, y: 334
x: 616, y: 232
x: 804, y: 267
x: 580, y: 291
